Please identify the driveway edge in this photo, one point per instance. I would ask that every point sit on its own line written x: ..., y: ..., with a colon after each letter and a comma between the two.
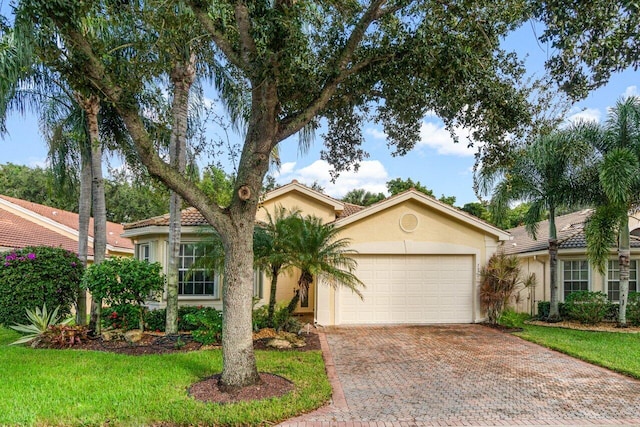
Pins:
x: 337, y: 397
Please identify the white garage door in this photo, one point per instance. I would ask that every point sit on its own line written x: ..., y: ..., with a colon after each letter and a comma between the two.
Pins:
x: 410, y: 289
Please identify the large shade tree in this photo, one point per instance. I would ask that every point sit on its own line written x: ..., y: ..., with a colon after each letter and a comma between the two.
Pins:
x: 617, y: 143
x: 546, y: 174
x: 295, y: 62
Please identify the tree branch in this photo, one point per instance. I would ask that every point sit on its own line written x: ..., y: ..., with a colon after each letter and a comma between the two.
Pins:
x: 218, y: 38
x: 247, y: 45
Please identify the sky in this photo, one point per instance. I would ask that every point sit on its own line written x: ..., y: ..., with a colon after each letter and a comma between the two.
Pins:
x: 436, y: 161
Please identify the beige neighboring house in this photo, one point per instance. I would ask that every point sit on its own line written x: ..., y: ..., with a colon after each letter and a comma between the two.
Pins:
x: 419, y: 258
x: 25, y: 224
x: 574, y: 270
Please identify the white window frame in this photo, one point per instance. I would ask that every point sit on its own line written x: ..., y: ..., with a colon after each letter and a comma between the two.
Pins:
x: 563, y: 271
x: 183, y: 271
x: 613, y: 269
x: 141, y: 248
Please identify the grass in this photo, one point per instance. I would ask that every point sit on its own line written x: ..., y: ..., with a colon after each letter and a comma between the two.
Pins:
x: 71, y: 387
x: 613, y: 350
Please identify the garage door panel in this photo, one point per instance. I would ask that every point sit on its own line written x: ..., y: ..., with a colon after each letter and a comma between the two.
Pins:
x: 410, y: 289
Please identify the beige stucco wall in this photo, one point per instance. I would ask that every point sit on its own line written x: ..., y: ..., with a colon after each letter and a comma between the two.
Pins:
x: 296, y: 200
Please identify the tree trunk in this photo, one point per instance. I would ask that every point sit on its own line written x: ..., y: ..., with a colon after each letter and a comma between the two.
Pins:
x: 554, y: 311
x: 623, y: 259
x: 275, y: 271
x: 84, y: 215
x: 91, y: 106
x: 239, y: 365
x: 182, y: 77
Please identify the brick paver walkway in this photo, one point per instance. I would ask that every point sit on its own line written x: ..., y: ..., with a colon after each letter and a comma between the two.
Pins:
x: 464, y: 375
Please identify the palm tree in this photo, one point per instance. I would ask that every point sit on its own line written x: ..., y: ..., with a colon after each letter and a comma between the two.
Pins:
x: 319, y: 253
x: 618, y: 142
x: 272, y: 248
x: 544, y: 174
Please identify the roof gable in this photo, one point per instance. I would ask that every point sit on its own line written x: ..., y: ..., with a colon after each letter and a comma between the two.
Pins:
x: 294, y: 185
x: 419, y: 197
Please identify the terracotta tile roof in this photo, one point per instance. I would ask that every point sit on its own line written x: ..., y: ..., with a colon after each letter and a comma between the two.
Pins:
x: 350, y: 209
x: 17, y: 232
x: 70, y: 219
x: 190, y: 217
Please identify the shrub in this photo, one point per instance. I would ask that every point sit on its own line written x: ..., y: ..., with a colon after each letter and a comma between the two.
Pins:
x: 125, y: 316
x: 587, y: 307
x: 208, y: 322
x: 120, y: 281
x: 156, y: 320
x: 282, y: 319
x: 500, y: 278
x: 633, y: 308
x: 544, y: 307
x: 511, y: 319
x: 37, y: 276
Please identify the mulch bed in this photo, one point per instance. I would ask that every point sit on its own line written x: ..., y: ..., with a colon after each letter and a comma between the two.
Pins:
x: 271, y: 385
x: 153, y: 343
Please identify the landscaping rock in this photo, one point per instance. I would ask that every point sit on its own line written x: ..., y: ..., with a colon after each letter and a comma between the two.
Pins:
x: 295, y: 340
x: 133, y: 335
x: 278, y: 343
x: 112, y: 335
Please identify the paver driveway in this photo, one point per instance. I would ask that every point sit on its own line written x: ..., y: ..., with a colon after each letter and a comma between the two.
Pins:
x: 465, y: 375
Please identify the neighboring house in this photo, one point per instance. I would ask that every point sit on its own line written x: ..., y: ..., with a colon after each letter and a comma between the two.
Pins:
x: 419, y: 258
x: 25, y: 224
x: 574, y: 270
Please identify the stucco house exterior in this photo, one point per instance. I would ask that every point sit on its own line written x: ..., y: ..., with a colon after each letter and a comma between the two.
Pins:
x: 24, y: 223
x: 574, y: 270
x: 419, y: 258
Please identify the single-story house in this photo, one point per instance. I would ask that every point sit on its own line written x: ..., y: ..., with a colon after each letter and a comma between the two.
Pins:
x: 25, y: 224
x: 574, y: 272
x: 419, y: 258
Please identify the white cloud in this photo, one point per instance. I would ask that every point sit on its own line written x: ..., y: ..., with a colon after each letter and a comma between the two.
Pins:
x: 631, y: 91
x: 372, y: 176
x: 435, y: 136
x: 285, y: 169
x: 587, y: 115
x: 375, y: 133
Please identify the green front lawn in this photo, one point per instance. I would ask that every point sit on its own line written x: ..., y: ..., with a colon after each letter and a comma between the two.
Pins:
x: 613, y: 350
x: 70, y: 387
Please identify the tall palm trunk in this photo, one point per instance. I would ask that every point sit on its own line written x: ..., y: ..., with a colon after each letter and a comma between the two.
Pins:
x: 182, y: 77
x: 84, y: 216
x: 275, y: 272
x: 554, y: 311
x: 623, y: 259
x: 91, y: 105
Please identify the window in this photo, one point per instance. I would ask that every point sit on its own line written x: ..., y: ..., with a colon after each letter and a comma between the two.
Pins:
x: 143, y: 252
x: 195, y: 281
x: 576, y: 276
x: 613, y: 282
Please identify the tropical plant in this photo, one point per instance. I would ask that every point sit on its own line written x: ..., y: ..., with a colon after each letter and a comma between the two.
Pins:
x: 618, y: 178
x: 208, y: 325
x: 320, y: 253
x: 499, y: 280
x: 41, y: 320
x: 362, y: 197
x: 545, y: 174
